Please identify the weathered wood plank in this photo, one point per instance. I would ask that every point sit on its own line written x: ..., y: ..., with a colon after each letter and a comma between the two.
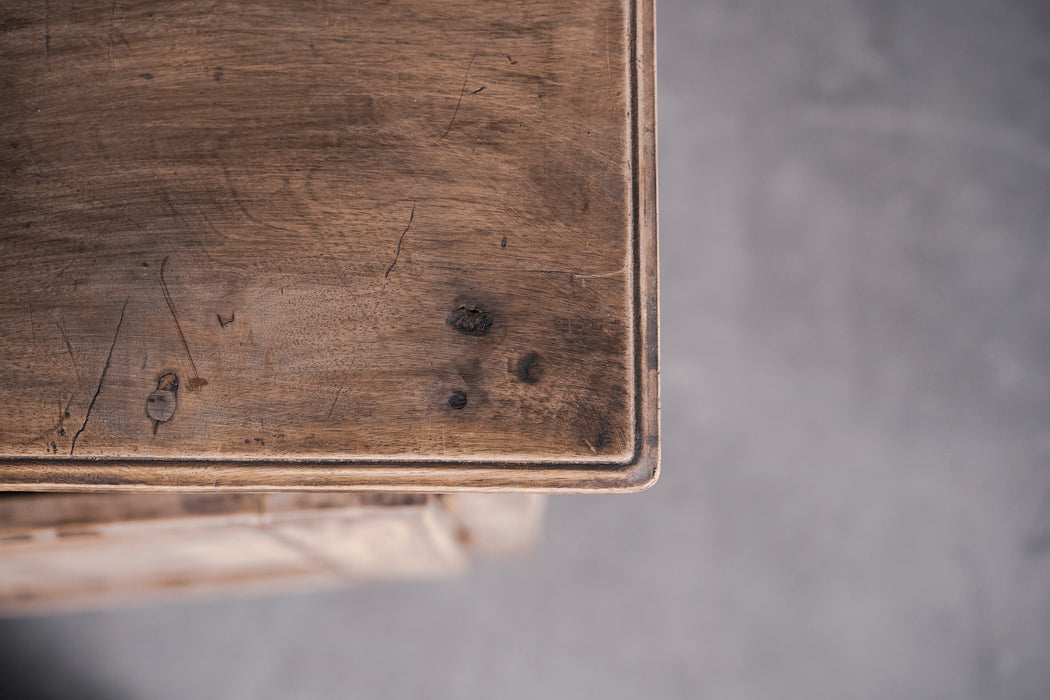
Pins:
x: 358, y: 245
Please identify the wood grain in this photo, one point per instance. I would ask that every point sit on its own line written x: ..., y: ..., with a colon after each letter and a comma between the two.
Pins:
x: 88, y: 550
x: 360, y: 245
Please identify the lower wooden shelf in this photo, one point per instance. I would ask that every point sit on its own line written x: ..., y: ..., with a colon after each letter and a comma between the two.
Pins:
x: 81, y: 551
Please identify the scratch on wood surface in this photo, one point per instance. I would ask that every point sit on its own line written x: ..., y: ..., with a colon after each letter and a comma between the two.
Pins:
x: 401, y: 240
x: 608, y: 52
x: 240, y: 204
x: 175, y: 317
x: 115, y: 33
x: 505, y: 55
x: 69, y: 348
x: 112, y: 23
x: 334, y: 402
x: 462, y: 90
x: 64, y: 269
x: 32, y: 323
x: 101, y: 379
x: 162, y: 190
x: 47, y: 29
x: 426, y: 353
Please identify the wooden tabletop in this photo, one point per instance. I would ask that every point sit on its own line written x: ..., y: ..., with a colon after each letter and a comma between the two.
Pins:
x: 347, y: 245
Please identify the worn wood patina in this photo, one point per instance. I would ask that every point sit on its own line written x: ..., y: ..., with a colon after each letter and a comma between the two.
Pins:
x: 270, y: 245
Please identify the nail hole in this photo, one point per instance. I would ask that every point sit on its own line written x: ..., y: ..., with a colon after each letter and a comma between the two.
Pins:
x: 457, y: 400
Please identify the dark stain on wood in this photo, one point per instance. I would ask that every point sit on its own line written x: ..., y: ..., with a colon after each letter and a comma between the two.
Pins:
x: 603, y: 437
x: 470, y: 319
x: 528, y: 368
x: 457, y: 400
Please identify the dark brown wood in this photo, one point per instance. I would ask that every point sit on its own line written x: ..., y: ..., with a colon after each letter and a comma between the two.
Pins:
x: 364, y: 245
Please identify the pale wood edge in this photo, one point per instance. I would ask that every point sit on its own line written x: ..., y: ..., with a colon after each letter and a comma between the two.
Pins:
x: 454, y: 531
x: 637, y: 473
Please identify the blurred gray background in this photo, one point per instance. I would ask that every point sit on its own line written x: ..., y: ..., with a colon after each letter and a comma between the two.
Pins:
x: 855, y: 503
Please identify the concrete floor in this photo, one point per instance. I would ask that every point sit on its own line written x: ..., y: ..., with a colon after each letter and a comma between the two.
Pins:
x: 855, y: 212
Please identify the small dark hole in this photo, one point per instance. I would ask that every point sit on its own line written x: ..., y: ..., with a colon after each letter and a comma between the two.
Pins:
x: 528, y: 368
x: 457, y: 400
x: 470, y: 320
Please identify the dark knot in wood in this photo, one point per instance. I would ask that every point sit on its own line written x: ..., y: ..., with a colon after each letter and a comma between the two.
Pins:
x: 470, y: 320
x: 161, y: 404
x: 457, y: 400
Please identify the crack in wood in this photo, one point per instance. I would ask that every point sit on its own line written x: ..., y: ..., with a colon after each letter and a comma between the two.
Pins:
x: 69, y: 348
x: 401, y: 240
x: 101, y: 379
x: 178, y: 327
x: 460, y: 100
x: 334, y: 402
